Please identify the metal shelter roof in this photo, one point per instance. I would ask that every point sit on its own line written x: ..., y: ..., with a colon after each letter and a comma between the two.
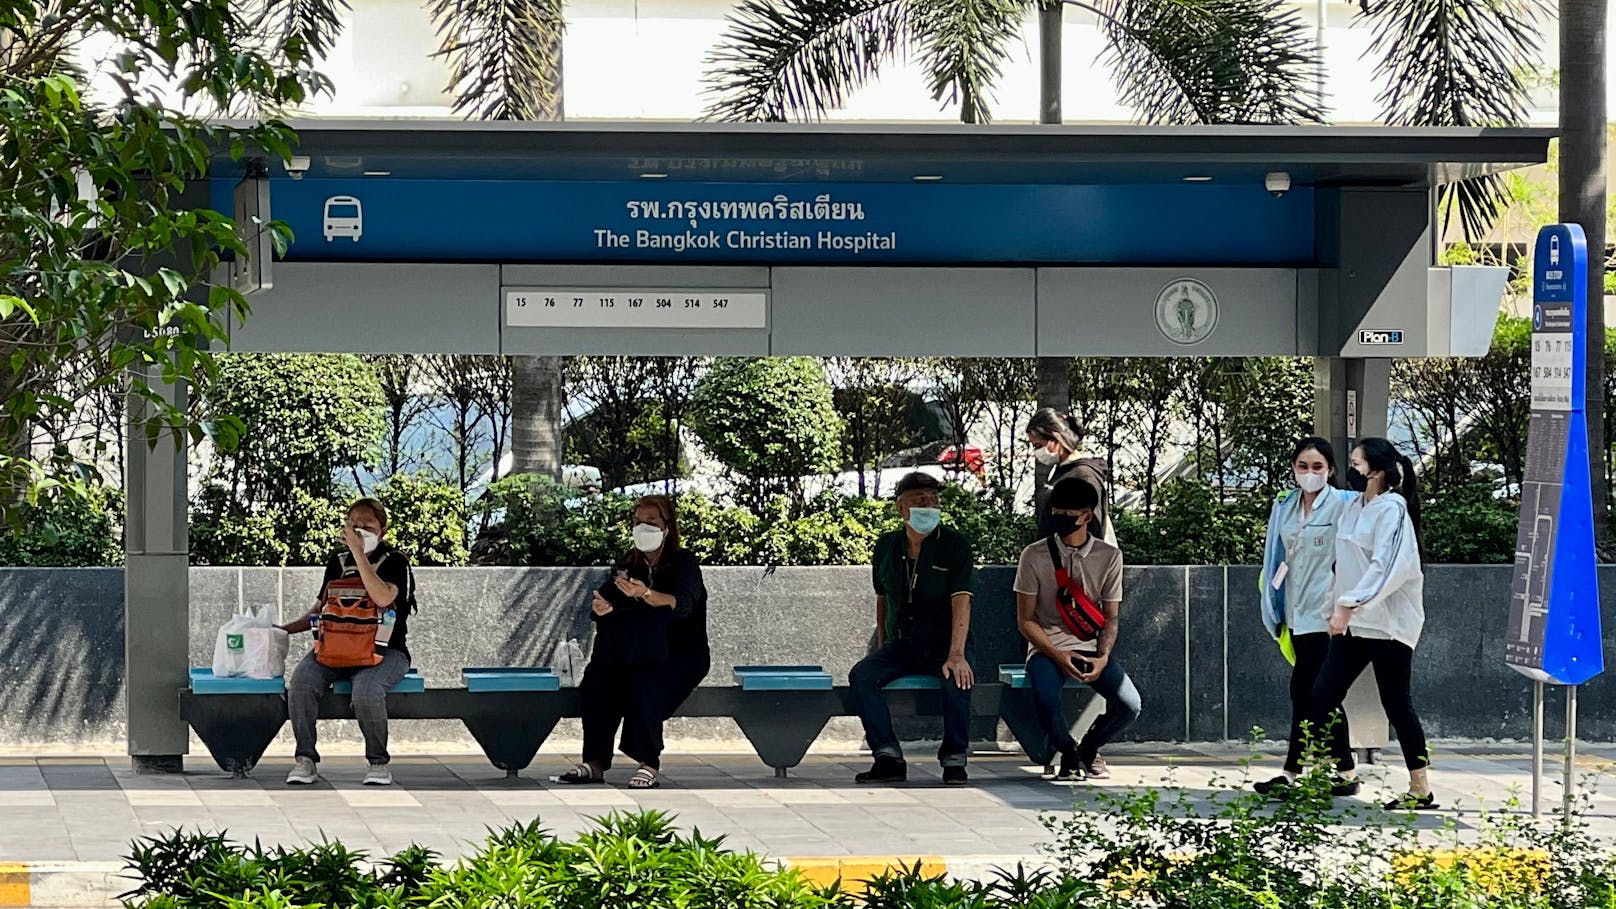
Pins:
x: 874, y: 153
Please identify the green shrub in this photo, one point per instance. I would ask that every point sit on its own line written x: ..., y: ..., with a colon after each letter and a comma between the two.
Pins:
x: 996, y: 532
x: 64, y: 530
x: 547, y: 523
x: 637, y: 861
x: 769, y: 419
x: 1467, y: 523
x: 1191, y: 527
x: 224, y: 533
x: 426, y: 519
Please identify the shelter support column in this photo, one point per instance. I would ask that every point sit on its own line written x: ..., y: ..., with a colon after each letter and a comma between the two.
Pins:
x: 1350, y: 401
x: 156, y: 590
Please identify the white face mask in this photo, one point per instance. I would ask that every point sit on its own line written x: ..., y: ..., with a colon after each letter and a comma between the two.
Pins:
x: 1311, y: 482
x: 370, y: 539
x: 1045, y: 457
x: 648, y: 537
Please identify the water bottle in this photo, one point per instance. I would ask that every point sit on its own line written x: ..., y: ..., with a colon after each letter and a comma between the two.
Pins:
x: 314, y: 625
x: 384, y: 634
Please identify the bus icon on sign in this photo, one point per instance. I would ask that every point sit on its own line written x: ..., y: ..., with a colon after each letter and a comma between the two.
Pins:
x: 344, y: 217
x: 1554, y: 249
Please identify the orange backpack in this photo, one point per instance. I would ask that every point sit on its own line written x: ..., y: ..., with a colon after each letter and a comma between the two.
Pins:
x: 353, y: 632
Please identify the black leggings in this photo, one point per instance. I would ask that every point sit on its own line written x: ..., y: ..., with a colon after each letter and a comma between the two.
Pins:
x: 634, y: 696
x: 1393, y: 661
x: 1311, y: 650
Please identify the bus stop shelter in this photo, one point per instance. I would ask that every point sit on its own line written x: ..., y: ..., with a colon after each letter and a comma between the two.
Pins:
x: 651, y: 238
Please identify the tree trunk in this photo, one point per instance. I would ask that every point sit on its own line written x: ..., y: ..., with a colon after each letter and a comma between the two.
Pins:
x: 1054, y: 373
x: 1582, y: 201
x: 536, y: 407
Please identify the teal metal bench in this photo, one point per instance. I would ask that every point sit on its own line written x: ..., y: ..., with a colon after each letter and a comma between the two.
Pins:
x: 514, y: 678
x: 203, y: 681
x: 1015, y: 676
x: 916, y: 683
x: 783, y: 678
x: 1017, y: 711
x: 412, y: 683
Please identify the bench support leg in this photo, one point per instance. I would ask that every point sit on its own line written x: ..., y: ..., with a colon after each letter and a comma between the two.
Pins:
x: 236, y: 729
x: 510, y: 737
x: 782, y: 725
x: 1016, y: 709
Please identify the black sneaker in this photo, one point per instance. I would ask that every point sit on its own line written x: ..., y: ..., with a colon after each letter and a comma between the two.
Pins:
x: 1071, y: 768
x: 1095, y: 769
x: 885, y: 770
x: 1276, y: 787
x: 1340, y: 787
x: 1408, y: 801
x: 955, y: 776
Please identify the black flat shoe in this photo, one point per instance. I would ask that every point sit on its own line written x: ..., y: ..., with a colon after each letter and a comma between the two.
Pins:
x: 1071, y: 768
x: 1275, y: 787
x: 885, y: 770
x: 1408, y: 801
x: 1342, y: 788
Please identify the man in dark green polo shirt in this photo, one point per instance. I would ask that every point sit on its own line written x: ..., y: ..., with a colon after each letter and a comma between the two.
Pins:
x: 924, y: 579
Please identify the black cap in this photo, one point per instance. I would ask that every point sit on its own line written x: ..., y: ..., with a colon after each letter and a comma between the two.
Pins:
x: 1073, y: 493
x: 915, y: 482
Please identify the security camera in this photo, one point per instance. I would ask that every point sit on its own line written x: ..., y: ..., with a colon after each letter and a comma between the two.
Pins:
x: 1278, y: 183
x: 297, y: 166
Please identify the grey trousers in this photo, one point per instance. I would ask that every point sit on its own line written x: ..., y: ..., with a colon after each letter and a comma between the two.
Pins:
x: 310, y: 680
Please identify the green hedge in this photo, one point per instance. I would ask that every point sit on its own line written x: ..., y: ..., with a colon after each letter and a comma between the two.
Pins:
x: 64, y: 530
x: 1226, y: 848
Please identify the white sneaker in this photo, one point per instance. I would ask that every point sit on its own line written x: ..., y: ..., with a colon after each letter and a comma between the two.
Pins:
x: 303, y: 773
x: 378, y: 775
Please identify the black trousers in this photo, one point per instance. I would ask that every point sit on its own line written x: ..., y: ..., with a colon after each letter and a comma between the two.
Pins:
x: 1393, y: 662
x: 1311, y: 650
x: 633, y: 695
x: 684, y: 676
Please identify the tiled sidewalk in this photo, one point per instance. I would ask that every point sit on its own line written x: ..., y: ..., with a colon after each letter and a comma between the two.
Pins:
x: 87, y: 809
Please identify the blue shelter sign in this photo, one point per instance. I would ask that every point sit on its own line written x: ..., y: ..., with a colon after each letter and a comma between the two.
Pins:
x: 383, y: 219
x: 1554, y: 631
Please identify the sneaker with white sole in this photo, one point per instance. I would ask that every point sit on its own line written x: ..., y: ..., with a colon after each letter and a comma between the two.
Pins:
x: 378, y: 775
x: 304, y: 772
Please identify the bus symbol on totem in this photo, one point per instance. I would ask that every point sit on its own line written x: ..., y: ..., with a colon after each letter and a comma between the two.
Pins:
x: 344, y: 217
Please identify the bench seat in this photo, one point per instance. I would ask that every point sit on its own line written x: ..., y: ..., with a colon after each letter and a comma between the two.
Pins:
x: 916, y: 683
x: 203, y: 681
x: 512, y: 678
x: 1015, y: 676
x: 783, y: 678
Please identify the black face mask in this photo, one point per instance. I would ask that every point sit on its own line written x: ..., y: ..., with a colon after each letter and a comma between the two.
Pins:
x: 1356, y: 481
x: 1064, y: 525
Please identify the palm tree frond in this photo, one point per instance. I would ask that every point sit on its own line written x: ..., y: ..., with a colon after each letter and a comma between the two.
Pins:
x: 504, y: 56
x: 1457, y: 63
x: 802, y: 58
x: 312, y: 25
x: 1212, y: 61
x: 963, y: 45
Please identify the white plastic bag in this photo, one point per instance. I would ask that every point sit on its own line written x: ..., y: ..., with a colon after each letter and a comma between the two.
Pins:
x: 569, y: 662
x: 266, y: 648
x: 230, y: 647
x: 249, y: 645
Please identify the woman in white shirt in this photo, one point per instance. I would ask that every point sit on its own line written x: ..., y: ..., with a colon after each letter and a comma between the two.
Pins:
x: 1379, y: 606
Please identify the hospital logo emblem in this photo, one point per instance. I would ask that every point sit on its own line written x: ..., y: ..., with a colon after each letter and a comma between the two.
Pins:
x: 1186, y: 311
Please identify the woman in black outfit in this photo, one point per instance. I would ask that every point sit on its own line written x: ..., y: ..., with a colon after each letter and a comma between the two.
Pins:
x: 1054, y: 438
x: 650, y: 647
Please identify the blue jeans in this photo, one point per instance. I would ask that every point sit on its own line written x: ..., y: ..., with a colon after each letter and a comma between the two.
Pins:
x: 1122, y: 705
x: 876, y: 671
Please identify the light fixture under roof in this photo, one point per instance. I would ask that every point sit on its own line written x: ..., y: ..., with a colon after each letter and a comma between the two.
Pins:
x: 1198, y: 178
x: 653, y: 176
x: 928, y: 178
x: 378, y: 173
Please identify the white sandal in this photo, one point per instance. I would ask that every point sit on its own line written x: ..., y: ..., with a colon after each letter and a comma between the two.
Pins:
x: 644, y: 778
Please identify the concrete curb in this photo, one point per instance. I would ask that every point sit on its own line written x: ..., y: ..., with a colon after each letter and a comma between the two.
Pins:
x: 62, y: 885
x: 96, y: 885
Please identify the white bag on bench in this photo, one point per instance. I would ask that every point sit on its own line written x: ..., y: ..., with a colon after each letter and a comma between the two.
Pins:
x: 249, y: 645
